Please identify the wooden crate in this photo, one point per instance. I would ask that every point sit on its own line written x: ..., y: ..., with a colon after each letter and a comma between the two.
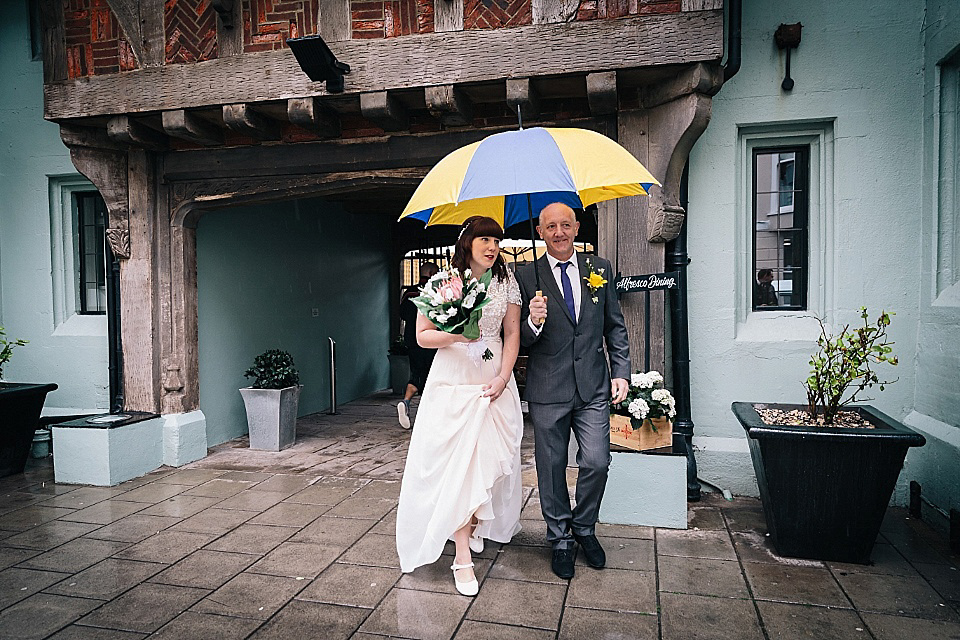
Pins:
x: 624, y: 435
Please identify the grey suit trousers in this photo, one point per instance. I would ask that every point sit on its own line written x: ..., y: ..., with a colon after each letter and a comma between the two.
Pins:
x: 552, y: 424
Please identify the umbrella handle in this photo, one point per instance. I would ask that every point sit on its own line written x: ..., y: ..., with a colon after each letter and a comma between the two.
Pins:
x: 540, y: 295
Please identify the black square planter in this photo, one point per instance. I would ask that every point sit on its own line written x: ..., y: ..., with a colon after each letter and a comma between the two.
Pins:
x: 825, y: 489
x: 20, y: 407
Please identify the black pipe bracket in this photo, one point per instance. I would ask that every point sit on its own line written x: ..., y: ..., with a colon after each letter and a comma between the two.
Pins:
x: 787, y: 36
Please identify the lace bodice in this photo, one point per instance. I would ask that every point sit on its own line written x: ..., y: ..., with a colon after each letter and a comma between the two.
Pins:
x: 501, y: 294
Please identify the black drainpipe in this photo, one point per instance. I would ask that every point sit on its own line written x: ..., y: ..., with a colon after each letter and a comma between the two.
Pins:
x: 677, y: 260
x: 115, y: 348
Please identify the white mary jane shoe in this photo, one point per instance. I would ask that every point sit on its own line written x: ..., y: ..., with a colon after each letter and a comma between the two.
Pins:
x: 476, y: 544
x: 465, y: 588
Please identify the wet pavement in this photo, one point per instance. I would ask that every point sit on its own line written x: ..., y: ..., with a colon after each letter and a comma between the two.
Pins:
x: 300, y: 544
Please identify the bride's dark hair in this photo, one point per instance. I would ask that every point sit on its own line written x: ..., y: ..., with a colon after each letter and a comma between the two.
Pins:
x: 478, y: 227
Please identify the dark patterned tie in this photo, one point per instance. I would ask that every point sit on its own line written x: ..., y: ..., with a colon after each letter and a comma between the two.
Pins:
x: 567, y: 290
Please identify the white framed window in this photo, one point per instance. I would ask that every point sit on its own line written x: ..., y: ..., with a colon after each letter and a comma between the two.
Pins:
x: 784, y: 174
x: 77, y: 224
x: 947, y: 266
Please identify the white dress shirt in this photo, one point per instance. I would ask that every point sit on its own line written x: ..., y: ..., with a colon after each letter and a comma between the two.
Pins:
x: 573, y: 272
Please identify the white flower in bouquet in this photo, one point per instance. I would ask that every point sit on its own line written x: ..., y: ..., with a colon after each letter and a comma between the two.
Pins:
x: 638, y: 408
x: 635, y: 379
x: 454, y: 302
x: 660, y: 395
x: 655, y: 377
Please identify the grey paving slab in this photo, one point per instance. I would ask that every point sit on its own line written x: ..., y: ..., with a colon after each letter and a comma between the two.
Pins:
x: 817, y: 623
x: 387, y: 524
x: 79, y: 632
x: 579, y: 624
x: 945, y: 579
x: 750, y: 519
x: 624, y: 531
x: 290, y: 514
x: 524, y: 563
x: 153, y: 492
x: 524, y: 604
x: 191, y: 477
x: 375, y: 550
x: 219, y: 488
x: 351, y: 585
x: 10, y: 556
x: 331, y: 530
x: 248, y: 476
x: 324, y: 493
x: 76, y: 555
x: 614, y: 589
x: 17, y: 584
x: 625, y: 553
x: 297, y: 559
x: 31, y: 516
x: 205, y: 569
x: 801, y: 585
x: 106, y: 580
x: 252, y: 538
x: 206, y: 626
x: 250, y: 500
x: 134, y: 528
x: 301, y: 619
x: 689, y: 617
x: 42, y: 614
x: 166, y: 546
x: 757, y: 547
x: 379, y: 489
x: 284, y: 483
x: 366, y: 508
x: 106, y: 511
x: 702, y: 576
x: 896, y: 595
x: 180, y: 506
x: 888, y: 627
x: 533, y: 533
x: 82, y: 497
x: 695, y: 544
x: 251, y: 595
x: 50, y: 534
x: 439, y: 578
x: 145, y: 608
x: 419, y: 615
x: 474, y: 630
x: 885, y: 559
x: 708, y: 518
x: 214, y: 520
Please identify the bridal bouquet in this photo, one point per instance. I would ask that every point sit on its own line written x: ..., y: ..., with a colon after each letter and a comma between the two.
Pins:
x: 646, y: 399
x: 453, y: 301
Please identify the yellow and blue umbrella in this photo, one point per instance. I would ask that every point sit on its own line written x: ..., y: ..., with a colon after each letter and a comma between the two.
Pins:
x: 510, y: 175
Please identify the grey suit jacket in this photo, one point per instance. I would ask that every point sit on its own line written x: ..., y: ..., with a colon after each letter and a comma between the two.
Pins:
x: 568, y: 356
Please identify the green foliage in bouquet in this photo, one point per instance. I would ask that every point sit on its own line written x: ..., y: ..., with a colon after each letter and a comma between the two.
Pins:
x: 454, y: 303
x: 273, y: 369
x: 6, y: 349
x: 843, y: 367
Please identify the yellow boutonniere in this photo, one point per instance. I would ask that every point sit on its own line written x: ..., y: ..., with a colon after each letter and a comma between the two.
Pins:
x: 594, y: 280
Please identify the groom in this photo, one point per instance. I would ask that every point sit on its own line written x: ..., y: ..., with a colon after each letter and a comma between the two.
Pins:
x: 569, y: 384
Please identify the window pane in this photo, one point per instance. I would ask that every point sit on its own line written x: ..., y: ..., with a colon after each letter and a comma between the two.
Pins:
x: 91, y: 222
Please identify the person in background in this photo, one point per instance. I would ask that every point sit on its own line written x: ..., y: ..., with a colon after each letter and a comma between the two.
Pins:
x: 420, y: 358
x: 764, y: 294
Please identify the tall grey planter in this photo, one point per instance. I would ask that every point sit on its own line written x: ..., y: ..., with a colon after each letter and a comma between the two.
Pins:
x: 271, y: 416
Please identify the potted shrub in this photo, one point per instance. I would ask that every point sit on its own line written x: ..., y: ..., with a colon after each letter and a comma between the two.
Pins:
x: 642, y: 420
x: 20, y: 407
x: 826, y: 469
x: 271, y: 401
x: 399, y: 366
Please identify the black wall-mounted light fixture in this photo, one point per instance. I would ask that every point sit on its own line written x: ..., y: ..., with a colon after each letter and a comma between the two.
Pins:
x: 224, y: 9
x: 318, y: 62
x: 787, y: 36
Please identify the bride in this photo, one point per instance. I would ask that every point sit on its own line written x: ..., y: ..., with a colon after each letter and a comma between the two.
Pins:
x: 462, y: 476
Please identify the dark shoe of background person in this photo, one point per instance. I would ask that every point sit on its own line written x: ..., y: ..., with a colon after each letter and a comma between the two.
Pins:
x: 592, y: 551
x: 562, y: 563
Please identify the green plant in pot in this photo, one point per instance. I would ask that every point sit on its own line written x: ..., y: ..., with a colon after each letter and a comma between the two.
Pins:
x: 826, y: 469
x: 271, y: 401
x: 20, y: 407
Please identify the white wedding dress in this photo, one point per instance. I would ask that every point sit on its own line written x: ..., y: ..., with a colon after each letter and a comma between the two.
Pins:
x: 464, y: 454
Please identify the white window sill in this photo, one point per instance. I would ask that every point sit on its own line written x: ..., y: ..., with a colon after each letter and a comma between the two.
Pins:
x: 779, y: 326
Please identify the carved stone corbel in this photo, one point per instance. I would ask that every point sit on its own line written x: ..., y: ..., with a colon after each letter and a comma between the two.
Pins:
x: 172, y: 399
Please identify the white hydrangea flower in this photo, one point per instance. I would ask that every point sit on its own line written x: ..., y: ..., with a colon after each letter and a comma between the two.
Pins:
x: 638, y: 408
x: 654, y: 376
x: 645, y: 381
x: 660, y: 395
x: 635, y: 379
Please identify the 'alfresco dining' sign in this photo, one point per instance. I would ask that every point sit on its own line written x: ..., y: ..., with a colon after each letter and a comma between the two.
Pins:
x: 648, y: 282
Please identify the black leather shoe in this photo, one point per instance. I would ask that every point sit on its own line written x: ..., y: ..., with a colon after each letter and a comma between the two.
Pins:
x: 592, y: 551
x: 562, y: 564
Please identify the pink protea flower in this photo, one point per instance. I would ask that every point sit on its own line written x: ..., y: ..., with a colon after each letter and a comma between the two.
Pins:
x: 452, y: 289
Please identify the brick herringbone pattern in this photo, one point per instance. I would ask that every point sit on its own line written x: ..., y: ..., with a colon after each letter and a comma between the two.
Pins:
x: 598, y: 9
x: 94, y: 42
x: 495, y: 14
x: 268, y: 23
x: 390, y: 18
x: 190, y: 27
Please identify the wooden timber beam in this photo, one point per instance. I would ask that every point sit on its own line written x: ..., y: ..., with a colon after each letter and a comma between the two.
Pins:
x: 521, y: 93
x: 602, y: 92
x: 187, y: 126
x: 307, y: 113
x: 384, y: 110
x: 242, y: 118
x: 126, y: 130
x: 449, y: 105
x: 461, y: 57
x: 699, y: 78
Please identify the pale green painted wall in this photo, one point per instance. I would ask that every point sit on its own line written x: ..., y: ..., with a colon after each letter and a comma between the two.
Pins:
x: 261, y: 270
x: 73, y: 354
x: 859, y: 69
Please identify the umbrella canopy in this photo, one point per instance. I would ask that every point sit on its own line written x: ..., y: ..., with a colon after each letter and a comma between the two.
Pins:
x: 495, y: 176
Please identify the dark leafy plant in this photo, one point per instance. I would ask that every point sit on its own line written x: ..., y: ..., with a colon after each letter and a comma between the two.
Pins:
x: 6, y: 349
x: 843, y: 367
x: 273, y: 369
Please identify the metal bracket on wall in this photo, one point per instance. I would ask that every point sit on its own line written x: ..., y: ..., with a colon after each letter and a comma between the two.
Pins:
x: 787, y: 36
x: 224, y: 9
